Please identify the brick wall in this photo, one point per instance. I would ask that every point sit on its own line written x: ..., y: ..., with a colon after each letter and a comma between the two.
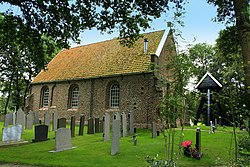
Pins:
x: 137, y: 93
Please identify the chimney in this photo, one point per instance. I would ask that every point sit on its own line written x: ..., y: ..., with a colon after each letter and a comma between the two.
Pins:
x: 145, y: 45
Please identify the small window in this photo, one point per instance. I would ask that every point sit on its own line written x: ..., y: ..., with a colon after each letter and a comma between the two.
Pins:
x: 114, y: 95
x: 74, y: 93
x: 45, y: 97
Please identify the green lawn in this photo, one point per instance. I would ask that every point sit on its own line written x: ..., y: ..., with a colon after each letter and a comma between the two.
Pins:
x: 91, y: 151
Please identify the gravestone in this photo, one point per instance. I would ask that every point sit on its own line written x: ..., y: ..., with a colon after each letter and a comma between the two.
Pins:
x: 90, y: 126
x: 198, y: 143
x: 36, y: 118
x: 41, y: 133
x: 29, y: 121
x: 61, y: 123
x: 97, y: 125
x: 20, y: 118
x: 54, y: 121
x: 14, y: 117
x: 106, y: 134
x: 220, y: 123
x: 12, y: 133
x: 47, y: 119
x: 115, y: 137
x: 63, y: 140
x: 8, y: 119
x: 81, y: 128
x: 131, y: 123
x: 73, y: 126
x: 154, y: 130
x: 117, y: 116
x: 124, y: 125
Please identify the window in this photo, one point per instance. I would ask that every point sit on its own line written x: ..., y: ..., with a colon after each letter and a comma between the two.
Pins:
x: 114, y: 95
x: 74, y: 92
x: 45, y: 97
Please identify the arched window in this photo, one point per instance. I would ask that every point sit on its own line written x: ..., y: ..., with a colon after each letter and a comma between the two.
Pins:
x: 114, y: 95
x: 73, y: 96
x: 45, y: 97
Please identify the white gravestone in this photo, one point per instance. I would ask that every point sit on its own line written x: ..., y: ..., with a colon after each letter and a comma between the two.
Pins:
x: 54, y: 119
x: 11, y: 134
x: 47, y: 119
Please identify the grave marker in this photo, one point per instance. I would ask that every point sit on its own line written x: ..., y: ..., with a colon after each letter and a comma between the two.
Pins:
x: 101, y: 125
x: 29, y: 121
x: 106, y: 135
x: 90, y: 126
x: 61, y: 123
x: 8, y: 119
x: 36, y: 118
x: 81, y: 128
x: 41, y: 133
x: 63, y: 140
x: 124, y: 125
x: 47, y: 119
x: 12, y: 133
x: 20, y: 118
x: 54, y: 121
x: 115, y: 137
x: 72, y: 126
x: 154, y: 130
x: 97, y: 125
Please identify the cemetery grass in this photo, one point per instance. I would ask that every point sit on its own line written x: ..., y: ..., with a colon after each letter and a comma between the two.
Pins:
x: 91, y: 151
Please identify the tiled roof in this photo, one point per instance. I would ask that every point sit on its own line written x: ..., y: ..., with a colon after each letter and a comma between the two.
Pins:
x: 100, y: 59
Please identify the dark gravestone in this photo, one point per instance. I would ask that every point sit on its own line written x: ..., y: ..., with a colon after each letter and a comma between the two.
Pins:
x: 41, y: 133
x: 90, y: 126
x: 61, y: 123
x: 81, y: 128
x: 72, y: 126
x: 97, y: 125
x: 198, y: 140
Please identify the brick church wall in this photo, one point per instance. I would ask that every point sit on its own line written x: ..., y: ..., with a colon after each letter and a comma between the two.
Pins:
x: 138, y: 93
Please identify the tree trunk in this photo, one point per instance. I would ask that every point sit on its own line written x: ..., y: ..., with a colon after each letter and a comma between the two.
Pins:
x: 241, y: 8
x: 8, y: 98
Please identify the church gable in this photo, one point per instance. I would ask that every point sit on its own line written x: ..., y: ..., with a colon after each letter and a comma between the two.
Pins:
x: 103, y: 59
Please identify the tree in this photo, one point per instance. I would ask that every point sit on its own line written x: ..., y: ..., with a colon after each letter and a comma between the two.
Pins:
x: 238, y: 13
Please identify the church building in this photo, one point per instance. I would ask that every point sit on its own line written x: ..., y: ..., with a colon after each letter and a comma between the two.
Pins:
x: 105, y: 77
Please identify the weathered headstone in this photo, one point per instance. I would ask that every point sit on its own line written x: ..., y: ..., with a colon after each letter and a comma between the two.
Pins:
x: 90, y: 126
x: 8, y: 119
x: 81, y: 128
x: 153, y: 130
x: 14, y: 117
x: 36, y: 118
x: 124, y: 125
x: 97, y: 125
x: 41, y: 133
x: 198, y: 143
x: 115, y: 137
x: 29, y: 121
x: 54, y: 120
x: 20, y: 118
x: 61, y: 123
x: 72, y: 126
x: 131, y: 123
x: 63, y: 140
x: 106, y: 134
x: 117, y: 116
x: 47, y: 119
x: 12, y: 133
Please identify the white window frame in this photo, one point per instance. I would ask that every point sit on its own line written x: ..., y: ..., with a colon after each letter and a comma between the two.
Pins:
x: 74, y: 97
x: 114, y: 95
x: 45, y: 97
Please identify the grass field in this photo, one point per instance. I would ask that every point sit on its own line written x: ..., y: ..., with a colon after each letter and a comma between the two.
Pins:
x: 91, y: 151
